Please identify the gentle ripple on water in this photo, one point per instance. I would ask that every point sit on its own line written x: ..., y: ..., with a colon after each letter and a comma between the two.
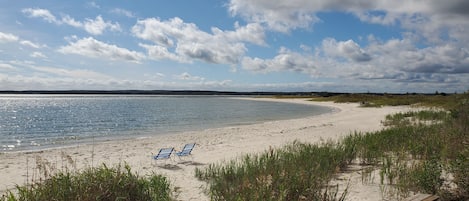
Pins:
x: 41, y: 121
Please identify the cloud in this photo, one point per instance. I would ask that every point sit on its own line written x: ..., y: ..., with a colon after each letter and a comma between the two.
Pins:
x: 38, y: 55
x: 158, y: 52
x: 41, y: 13
x: 177, y: 40
x: 394, y: 60
x: 6, y: 37
x: 5, y: 66
x: 93, y: 26
x: 346, y: 49
x: 188, y: 77
x: 278, y: 15
x: 123, y: 12
x: 98, y: 25
x: 91, y: 47
x: 433, y: 20
x: 93, y: 4
x: 285, y: 60
x: 30, y: 44
x: 72, y: 73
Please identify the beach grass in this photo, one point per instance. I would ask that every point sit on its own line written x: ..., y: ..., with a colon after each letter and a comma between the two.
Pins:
x: 440, y: 100
x: 296, y: 172
x: 98, y: 183
x: 424, y: 151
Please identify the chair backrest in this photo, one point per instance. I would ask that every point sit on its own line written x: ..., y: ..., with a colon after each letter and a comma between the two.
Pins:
x: 187, y: 149
x: 164, y: 153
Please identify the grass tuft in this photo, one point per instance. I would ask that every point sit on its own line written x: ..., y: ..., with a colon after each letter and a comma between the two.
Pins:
x: 101, y: 183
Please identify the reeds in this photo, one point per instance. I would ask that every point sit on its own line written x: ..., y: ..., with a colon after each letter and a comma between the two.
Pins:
x: 296, y: 172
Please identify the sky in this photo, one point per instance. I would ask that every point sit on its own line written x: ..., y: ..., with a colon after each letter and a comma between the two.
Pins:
x: 399, y: 46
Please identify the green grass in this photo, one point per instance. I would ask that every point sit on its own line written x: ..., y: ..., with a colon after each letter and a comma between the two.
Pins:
x: 417, y: 152
x: 101, y: 183
x: 296, y: 172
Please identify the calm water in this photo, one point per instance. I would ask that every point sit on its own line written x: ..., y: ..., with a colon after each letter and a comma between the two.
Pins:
x: 29, y: 122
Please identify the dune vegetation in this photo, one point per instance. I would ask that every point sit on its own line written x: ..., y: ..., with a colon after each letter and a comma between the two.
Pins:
x: 425, y: 151
x: 98, y: 183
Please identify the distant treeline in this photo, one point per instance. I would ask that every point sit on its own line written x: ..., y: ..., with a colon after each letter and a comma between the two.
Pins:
x: 193, y: 92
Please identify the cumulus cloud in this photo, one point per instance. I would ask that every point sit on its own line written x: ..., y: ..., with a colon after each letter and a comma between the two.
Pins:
x: 98, y: 25
x: 277, y: 15
x: 91, y: 47
x: 177, y: 40
x: 93, y: 26
x: 346, y: 49
x: 285, y: 60
x: 158, y: 52
x: 432, y: 19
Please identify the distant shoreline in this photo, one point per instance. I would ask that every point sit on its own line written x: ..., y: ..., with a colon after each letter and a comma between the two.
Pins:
x: 193, y: 92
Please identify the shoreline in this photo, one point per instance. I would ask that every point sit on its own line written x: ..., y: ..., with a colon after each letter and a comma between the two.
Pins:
x: 214, y: 145
x: 71, y: 139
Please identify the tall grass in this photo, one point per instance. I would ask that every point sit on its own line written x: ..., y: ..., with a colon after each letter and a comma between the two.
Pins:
x: 101, y: 183
x: 296, y: 172
x: 425, y: 151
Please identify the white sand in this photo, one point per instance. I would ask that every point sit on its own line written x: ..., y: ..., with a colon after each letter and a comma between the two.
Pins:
x: 213, y: 146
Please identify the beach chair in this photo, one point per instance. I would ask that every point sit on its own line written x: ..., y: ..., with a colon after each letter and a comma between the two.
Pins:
x: 164, y: 153
x: 186, y: 151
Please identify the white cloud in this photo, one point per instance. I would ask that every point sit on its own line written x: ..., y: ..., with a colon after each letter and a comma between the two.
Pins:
x: 158, y: 52
x: 93, y: 26
x: 433, y: 19
x: 5, y: 66
x: 41, y: 13
x: 97, y: 26
x: 123, y: 12
x: 277, y: 15
x: 93, y: 4
x: 180, y: 41
x: 188, y: 77
x: 72, y: 73
x: 30, y: 44
x: 346, y: 49
x: 38, y: 55
x: 285, y: 60
x: 6, y: 37
x: 91, y: 47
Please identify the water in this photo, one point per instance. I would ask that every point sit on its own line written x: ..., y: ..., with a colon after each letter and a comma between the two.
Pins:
x: 29, y: 122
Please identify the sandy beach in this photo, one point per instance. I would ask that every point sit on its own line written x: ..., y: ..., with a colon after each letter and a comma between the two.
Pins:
x: 213, y: 146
